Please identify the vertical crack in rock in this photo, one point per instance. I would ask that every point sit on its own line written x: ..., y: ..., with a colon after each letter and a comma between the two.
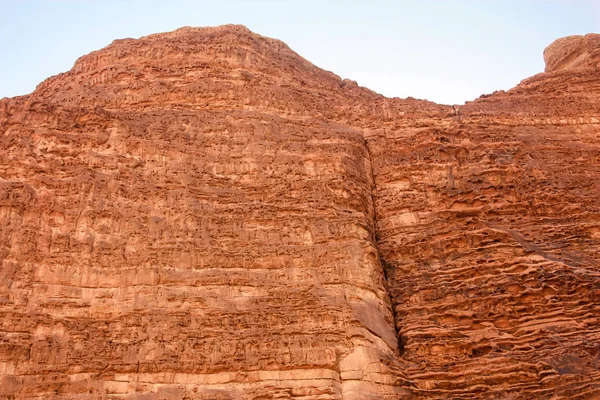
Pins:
x: 381, y: 260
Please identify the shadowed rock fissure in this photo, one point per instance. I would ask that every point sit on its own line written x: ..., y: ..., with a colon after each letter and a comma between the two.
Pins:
x: 385, y: 266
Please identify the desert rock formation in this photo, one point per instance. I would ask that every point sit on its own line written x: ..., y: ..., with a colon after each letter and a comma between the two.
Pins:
x: 203, y: 214
x: 573, y: 52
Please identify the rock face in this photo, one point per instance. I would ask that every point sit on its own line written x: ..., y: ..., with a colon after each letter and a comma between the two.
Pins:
x: 573, y: 52
x: 490, y: 230
x: 203, y: 214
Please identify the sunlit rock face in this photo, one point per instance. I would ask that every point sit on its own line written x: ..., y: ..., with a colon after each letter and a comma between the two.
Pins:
x: 489, y: 224
x: 573, y: 52
x: 203, y: 214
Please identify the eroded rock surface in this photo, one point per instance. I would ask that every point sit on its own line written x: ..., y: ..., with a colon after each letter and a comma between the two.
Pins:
x: 173, y: 222
x: 203, y: 214
x: 573, y: 52
x: 490, y: 228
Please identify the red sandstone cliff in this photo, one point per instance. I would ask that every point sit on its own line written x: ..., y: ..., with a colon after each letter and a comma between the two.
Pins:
x: 490, y: 229
x: 203, y: 214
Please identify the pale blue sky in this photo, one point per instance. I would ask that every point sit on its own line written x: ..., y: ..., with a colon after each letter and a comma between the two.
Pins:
x: 445, y: 51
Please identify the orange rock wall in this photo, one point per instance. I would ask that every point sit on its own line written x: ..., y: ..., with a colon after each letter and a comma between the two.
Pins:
x: 203, y: 214
x: 491, y: 236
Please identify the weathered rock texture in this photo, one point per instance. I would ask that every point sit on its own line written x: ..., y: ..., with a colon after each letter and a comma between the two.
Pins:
x: 203, y: 214
x: 490, y: 228
x: 573, y: 52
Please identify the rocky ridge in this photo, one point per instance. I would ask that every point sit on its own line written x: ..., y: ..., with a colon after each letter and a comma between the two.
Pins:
x: 205, y: 214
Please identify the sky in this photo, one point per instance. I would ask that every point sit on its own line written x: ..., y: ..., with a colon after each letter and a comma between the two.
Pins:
x: 447, y: 51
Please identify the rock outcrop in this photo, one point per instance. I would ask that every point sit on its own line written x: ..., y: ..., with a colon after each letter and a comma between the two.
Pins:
x: 573, y: 52
x: 203, y: 214
x: 489, y: 225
